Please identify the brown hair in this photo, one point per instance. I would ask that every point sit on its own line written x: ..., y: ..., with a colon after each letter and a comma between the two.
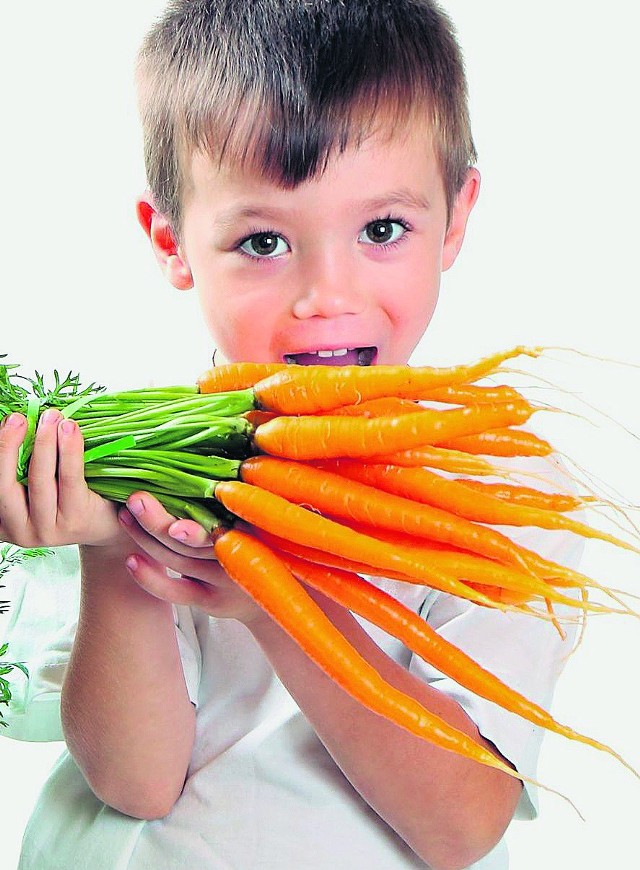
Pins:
x: 287, y: 83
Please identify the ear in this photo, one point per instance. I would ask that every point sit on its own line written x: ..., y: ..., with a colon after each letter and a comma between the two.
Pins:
x: 465, y: 200
x: 163, y: 241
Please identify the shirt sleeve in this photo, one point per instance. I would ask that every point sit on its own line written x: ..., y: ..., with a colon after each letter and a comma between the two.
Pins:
x: 526, y: 653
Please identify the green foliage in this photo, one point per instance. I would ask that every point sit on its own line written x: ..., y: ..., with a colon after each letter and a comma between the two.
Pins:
x: 9, y: 557
x: 15, y: 397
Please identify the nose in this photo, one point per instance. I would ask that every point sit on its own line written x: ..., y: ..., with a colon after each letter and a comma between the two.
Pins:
x: 328, y: 286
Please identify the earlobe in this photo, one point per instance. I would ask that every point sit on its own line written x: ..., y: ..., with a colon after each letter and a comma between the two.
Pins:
x: 465, y: 201
x: 168, y: 253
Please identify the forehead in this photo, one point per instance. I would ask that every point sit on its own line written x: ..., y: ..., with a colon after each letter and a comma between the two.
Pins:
x: 397, y: 156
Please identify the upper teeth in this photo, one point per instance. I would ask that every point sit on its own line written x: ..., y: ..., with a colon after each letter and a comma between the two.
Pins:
x: 342, y: 351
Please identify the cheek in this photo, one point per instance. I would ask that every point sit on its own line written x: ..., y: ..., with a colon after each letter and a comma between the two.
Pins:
x: 239, y: 329
x: 412, y: 308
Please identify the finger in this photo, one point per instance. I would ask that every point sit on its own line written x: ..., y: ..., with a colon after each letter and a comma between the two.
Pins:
x: 153, y: 578
x: 155, y: 520
x: 72, y: 486
x: 14, y: 508
x: 198, y: 565
x: 190, y: 533
x: 43, y: 486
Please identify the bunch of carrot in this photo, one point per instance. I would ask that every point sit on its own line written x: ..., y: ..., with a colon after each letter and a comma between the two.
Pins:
x: 337, y: 473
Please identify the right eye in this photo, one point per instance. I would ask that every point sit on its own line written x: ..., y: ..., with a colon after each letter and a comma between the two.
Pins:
x: 264, y: 245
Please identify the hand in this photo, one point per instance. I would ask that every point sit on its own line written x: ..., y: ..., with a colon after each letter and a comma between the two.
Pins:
x: 58, y: 508
x: 185, y: 548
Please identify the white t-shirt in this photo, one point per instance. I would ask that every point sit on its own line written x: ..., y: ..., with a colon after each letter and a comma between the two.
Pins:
x: 262, y: 793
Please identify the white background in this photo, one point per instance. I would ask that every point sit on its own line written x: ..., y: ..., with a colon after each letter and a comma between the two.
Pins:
x: 550, y: 258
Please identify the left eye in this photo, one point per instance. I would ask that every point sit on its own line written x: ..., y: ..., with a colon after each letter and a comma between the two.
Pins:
x: 264, y: 245
x: 382, y: 232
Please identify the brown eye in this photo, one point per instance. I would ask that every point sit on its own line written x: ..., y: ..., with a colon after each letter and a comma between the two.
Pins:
x: 382, y: 232
x: 264, y: 245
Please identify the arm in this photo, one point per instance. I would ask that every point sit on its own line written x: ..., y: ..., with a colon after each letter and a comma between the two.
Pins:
x: 450, y: 811
x: 126, y: 715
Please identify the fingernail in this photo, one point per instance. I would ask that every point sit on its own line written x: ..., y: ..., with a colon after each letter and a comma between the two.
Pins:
x: 49, y: 416
x: 136, y: 506
x: 125, y: 518
x: 68, y: 427
x: 178, y: 534
x: 132, y: 563
x: 14, y: 420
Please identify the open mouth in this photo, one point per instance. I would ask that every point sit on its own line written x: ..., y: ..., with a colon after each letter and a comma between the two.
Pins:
x: 343, y: 356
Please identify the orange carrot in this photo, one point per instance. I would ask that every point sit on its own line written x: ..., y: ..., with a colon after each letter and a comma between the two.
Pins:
x: 386, y: 406
x: 491, y: 578
x: 262, y: 575
x: 526, y: 495
x: 331, y: 494
x: 275, y: 514
x: 500, y: 442
x: 433, y: 524
x: 510, y: 598
x: 256, y: 418
x: 296, y: 390
x: 427, y: 487
x: 472, y: 394
x: 235, y: 376
x: 381, y: 609
x: 318, y: 437
x: 441, y: 458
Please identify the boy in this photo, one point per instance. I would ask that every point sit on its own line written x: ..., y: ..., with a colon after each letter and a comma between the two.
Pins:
x: 310, y: 169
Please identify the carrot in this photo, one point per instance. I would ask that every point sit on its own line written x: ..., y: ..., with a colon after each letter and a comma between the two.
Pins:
x: 386, y: 406
x: 275, y: 514
x: 427, y: 487
x: 526, y: 495
x: 296, y: 390
x: 492, y: 579
x: 235, y: 376
x: 439, y: 457
x: 332, y: 494
x: 500, y: 442
x: 512, y: 600
x: 261, y: 573
x: 480, y: 572
x: 317, y: 437
x: 256, y: 418
x: 472, y: 394
x: 432, y: 523
x: 381, y: 609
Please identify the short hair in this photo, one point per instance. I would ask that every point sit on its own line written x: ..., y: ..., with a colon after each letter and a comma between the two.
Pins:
x: 285, y: 84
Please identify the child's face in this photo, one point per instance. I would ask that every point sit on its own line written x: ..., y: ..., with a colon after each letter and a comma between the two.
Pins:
x: 350, y: 260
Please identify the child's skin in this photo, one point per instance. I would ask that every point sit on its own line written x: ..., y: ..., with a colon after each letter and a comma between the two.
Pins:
x: 279, y: 271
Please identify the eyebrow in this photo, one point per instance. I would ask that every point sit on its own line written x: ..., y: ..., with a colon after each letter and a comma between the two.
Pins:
x: 401, y: 197
x: 228, y: 219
